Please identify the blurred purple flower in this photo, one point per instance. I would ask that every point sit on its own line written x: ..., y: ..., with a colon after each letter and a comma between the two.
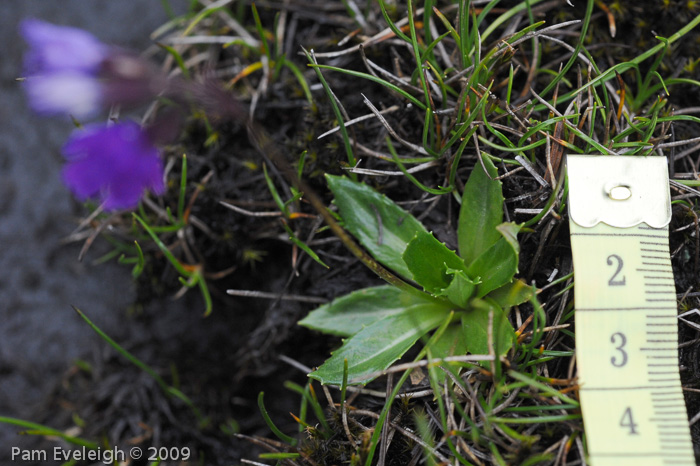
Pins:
x: 66, y: 92
x: 55, y: 49
x: 69, y: 71
x: 116, y: 164
x: 62, y: 66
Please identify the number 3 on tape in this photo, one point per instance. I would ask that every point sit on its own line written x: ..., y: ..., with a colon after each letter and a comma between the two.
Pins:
x: 626, y: 316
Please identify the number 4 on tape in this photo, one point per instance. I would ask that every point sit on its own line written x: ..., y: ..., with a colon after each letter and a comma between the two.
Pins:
x: 626, y: 317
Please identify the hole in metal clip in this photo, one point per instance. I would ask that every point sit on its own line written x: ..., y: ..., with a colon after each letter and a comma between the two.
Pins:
x: 620, y: 193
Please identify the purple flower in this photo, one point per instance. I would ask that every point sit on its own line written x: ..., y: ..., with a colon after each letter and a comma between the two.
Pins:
x: 116, y: 164
x: 65, y: 92
x: 60, y: 48
x: 69, y: 71
x: 62, y: 67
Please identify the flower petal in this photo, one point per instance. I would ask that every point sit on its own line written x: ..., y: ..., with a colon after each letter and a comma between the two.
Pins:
x: 116, y: 163
x: 60, y: 48
x: 66, y: 92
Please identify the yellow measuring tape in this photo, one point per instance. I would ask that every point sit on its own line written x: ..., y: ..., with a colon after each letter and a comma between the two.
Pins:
x: 626, y: 317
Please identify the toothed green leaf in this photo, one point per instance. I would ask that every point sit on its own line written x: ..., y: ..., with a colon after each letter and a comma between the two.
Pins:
x: 511, y: 294
x: 475, y: 325
x: 377, y: 346
x: 499, y: 264
x: 349, y: 314
x: 481, y: 212
x: 382, y: 227
x: 460, y: 289
x: 428, y: 261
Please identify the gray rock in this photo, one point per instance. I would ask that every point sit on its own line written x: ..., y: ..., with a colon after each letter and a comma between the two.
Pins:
x: 40, y: 334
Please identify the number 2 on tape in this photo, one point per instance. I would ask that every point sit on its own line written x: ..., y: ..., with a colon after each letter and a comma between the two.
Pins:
x: 626, y: 317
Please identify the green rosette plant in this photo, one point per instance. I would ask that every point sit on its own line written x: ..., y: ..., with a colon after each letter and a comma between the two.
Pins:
x: 469, y: 293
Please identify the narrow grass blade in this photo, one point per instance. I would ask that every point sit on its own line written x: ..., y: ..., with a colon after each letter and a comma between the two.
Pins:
x: 544, y: 388
x: 183, y: 188
x: 375, y: 79
x: 38, y: 429
x: 140, y: 364
x: 310, y: 396
x: 281, y: 435
x: 336, y: 111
